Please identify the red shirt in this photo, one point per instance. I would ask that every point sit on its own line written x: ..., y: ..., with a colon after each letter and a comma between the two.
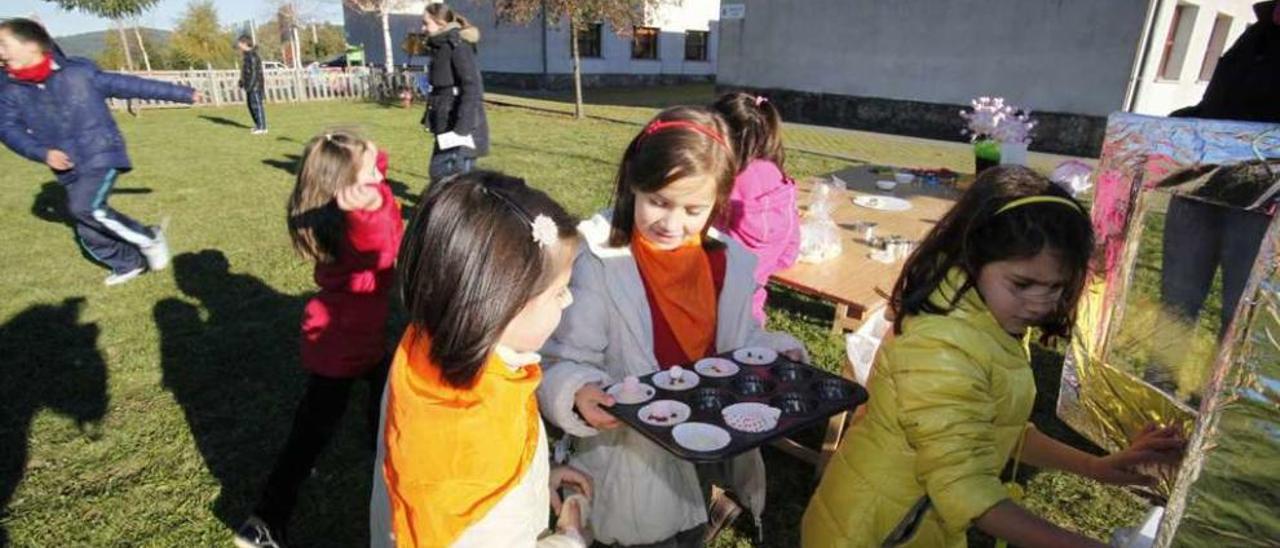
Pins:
x: 665, y: 346
x: 344, y: 325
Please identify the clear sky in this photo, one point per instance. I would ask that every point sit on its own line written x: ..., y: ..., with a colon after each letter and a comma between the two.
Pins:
x: 163, y: 16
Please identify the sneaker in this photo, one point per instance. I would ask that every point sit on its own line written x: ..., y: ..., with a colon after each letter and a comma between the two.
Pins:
x: 255, y: 533
x: 262, y: 131
x: 117, y: 279
x: 157, y: 253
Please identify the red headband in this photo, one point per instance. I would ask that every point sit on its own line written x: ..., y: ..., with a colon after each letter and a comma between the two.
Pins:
x: 658, y: 126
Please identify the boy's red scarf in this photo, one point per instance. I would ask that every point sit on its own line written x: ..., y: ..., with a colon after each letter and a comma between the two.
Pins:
x: 35, y: 74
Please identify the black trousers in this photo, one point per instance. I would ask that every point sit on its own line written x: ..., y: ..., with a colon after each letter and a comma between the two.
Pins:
x: 318, y: 415
x: 254, y: 99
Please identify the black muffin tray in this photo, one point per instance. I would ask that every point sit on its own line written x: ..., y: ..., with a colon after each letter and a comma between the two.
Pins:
x: 806, y: 395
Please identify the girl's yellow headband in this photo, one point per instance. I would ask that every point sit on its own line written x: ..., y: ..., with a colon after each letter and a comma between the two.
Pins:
x: 1040, y: 200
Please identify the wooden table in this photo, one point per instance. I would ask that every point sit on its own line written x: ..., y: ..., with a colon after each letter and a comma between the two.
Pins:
x: 853, y: 281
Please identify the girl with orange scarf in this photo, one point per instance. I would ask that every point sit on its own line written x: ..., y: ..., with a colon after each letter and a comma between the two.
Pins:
x: 655, y: 287
x: 462, y: 455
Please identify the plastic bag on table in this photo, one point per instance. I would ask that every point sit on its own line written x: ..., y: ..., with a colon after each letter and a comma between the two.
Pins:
x: 819, y: 234
x: 861, y: 345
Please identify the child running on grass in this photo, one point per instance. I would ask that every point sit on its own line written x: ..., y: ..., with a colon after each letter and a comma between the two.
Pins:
x: 53, y: 110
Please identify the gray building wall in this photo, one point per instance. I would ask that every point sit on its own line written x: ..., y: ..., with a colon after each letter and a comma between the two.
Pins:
x: 514, y: 54
x: 907, y: 66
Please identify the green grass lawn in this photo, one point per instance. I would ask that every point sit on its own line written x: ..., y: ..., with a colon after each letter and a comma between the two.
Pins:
x: 148, y: 414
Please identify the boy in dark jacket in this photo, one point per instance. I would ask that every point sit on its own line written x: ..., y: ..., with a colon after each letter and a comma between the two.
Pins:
x: 53, y: 110
x: 253, y: 83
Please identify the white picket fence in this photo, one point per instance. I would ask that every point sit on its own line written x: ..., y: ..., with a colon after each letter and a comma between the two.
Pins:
x: 221, y: 87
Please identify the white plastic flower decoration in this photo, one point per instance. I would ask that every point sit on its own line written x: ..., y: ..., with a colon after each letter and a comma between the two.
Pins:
x: 545, y: 231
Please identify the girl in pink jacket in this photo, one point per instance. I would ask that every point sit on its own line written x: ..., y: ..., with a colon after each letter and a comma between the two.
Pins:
x: 761, y: 213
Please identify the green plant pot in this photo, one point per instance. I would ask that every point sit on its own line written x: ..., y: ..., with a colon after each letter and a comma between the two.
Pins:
x: 986, y: 153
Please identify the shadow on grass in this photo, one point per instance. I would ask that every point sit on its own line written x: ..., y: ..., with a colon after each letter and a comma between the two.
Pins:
x: 50, y: 361
x: 50, y: 205
x: 224, y: 121
x: 652, y: 97
x: 611, y: 163
x: 231, y: 363
x: 290, y: 164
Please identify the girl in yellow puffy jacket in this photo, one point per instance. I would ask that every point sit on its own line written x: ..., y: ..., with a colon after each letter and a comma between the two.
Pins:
x: 952, y: 391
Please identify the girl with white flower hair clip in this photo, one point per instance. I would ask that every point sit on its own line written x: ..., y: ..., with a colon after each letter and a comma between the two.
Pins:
x: 462, y: 452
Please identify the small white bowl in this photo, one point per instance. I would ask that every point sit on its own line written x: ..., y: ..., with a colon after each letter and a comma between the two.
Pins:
x: 904, y: 178
x: 886, y: 185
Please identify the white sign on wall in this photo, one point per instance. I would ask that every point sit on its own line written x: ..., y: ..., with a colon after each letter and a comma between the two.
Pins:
x: 733, y: 11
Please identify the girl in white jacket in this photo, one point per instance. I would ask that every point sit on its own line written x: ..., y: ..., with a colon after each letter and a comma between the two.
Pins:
x: 654, y: 287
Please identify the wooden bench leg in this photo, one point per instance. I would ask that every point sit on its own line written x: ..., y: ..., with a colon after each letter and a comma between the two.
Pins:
x: 847, y: 318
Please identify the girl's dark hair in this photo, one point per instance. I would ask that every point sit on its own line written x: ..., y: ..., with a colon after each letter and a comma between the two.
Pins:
x: 655, y: 159
x: 756, y: 127
x: 26, y: 30
x: 443, y: 14
x: 246, y: 40
x: 973, y: 235
x: 468, y: 264
x: 329, y: 162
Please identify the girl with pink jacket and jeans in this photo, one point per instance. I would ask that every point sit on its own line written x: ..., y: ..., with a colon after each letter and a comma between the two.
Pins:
x: 762, y: 212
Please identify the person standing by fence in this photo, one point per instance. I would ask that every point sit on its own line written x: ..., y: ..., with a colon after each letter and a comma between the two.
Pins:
x: 455, y: 106
x: 253, y: 82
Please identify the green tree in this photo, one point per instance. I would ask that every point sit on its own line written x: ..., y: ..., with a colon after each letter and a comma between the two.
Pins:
x: 198, y: 39
x: 622, y: 15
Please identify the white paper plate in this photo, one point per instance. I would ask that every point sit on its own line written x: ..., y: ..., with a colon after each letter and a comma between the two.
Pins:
x: 751, y: 417
x: 716, y: 367
x: 675, y: 412
x: 663, y: 380
x: 646, y: 394
x: 755, y: 355
x: 882, y: 203
x: 699, y: 436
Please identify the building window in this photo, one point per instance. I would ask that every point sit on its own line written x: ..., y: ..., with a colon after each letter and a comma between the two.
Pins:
x: 644, y: 43
x: 1175, y: 44
x: 1217, y: 41
x: 695, y: 45
x: 589, y: 40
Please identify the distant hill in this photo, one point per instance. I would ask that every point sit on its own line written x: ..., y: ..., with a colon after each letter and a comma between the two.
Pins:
x: 90, y: 44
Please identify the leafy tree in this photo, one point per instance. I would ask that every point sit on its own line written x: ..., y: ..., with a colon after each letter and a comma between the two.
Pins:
x: 198, y: 38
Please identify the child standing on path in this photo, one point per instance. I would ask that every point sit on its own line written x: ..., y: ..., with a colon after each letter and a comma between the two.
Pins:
x: 53, y: 110
x: 343, y: 216
x: 761, y: 213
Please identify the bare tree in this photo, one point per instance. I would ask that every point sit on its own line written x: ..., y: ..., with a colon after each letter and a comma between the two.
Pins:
x: 146, y: 59
x: 383, y: 9
x: 622, y: 15
x: 116, y: 10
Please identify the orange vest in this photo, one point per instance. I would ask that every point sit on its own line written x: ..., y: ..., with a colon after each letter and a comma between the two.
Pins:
x: 451, y: 454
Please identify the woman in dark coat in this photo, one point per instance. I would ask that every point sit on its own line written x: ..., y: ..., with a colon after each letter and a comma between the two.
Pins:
x: 455, y: 106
